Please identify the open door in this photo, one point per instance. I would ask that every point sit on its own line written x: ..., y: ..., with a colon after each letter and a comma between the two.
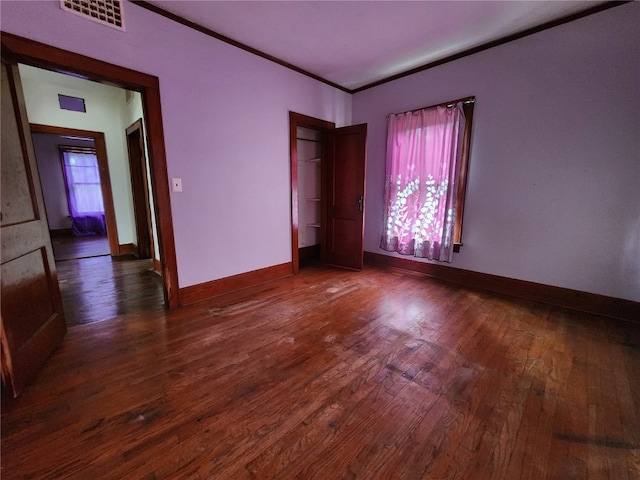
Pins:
x: 140, y: 190
x: 344, y: 193
x: 32, y: 316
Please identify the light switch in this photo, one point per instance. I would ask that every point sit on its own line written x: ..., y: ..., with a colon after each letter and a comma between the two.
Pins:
x: 176, y: 184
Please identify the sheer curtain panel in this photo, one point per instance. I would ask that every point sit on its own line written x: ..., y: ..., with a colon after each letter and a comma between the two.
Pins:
x: 84, y: 192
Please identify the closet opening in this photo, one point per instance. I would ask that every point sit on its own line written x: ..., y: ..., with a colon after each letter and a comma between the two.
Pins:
x: 327, y: 192
x: 309, y: 143
x: 308, y: 146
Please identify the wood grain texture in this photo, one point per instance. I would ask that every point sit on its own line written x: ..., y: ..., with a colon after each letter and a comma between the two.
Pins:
x: 343, y: 194
x: 127, y: 250
x: 68, y: 247
x: 98, y: 288
x: 562, y: 297
x: 334, y: 374
x: 32, y: 318
x: 203, y: 291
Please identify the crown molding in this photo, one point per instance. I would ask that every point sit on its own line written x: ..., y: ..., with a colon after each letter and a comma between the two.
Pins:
x: 485, y: 46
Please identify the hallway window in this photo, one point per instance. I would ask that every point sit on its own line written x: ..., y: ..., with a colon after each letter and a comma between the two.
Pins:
x: 84, y: 191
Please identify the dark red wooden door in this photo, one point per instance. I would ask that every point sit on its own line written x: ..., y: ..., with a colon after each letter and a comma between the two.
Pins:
x: 344, y: 205
x: 32, y: 317
x: 140, y: 190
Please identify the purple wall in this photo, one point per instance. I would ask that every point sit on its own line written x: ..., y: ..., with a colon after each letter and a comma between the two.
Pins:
x: 226, y: 129
x: 553, y: 191
x: 554, y: 187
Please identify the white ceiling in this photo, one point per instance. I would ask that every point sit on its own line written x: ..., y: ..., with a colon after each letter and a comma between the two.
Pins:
x: 354, y: 43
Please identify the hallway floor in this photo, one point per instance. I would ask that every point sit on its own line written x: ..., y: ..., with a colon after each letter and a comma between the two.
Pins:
x: 100, y: 287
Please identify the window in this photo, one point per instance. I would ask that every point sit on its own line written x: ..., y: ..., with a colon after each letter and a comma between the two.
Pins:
x: 74, y: 104
x: 84, y: 192
x: 426, y: 170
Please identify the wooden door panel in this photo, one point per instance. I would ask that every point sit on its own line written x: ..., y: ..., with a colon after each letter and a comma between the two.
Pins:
x: 344, y: 192
x: 346, y: 239
x: 30, y: 294
x: 20, y: 238
x: 346, y: 175
x: 18, y: 202
x: 32, y: 317
x: 24, y: 278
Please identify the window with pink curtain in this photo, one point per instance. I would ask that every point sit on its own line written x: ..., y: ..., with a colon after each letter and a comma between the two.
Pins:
x: 422, y: 166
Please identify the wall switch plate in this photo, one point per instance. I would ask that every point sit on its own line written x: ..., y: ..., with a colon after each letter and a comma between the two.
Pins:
x: 176, y: 184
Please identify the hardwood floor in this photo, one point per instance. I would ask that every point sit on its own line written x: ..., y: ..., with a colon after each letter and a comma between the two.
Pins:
x: 380, y: 374
x: 96, y: 287
x: 99, y: 288
x: 70, y: 247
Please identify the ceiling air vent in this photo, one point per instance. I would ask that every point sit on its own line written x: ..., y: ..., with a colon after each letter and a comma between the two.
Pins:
x: 106, y: 12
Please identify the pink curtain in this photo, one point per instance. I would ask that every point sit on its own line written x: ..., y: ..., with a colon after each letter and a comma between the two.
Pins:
x: 420, y: 186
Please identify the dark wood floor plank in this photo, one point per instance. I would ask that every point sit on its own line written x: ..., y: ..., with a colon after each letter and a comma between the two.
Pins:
x: 69, y: 247
x: 472, y: 381
x: 100, y: 288
x: 295, y: 450
x: 608, y: 428
x: 333, y: 374
x: 534, y: 430
x: 569, y: 457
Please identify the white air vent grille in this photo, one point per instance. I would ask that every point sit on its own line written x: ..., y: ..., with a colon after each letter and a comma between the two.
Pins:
x: 107, y: 12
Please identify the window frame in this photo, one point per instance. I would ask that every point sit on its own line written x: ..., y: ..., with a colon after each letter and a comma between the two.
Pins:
x: 463, y: 169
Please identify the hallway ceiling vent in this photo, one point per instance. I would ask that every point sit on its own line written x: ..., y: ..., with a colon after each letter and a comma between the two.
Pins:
x: 106, y: 12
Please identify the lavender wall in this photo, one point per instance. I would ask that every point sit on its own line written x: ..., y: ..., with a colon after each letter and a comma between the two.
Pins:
x: 225, y: 115
x: 554, y: 183
x: 51, y: 177
x: 553, y: 191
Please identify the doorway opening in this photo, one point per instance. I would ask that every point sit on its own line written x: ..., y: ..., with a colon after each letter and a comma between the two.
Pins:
x: 341, y: 155
x: 47, y: 141
x: 308, y: 147
x: 141, y: 188
x: 97, y: 281
x: 57, y: 60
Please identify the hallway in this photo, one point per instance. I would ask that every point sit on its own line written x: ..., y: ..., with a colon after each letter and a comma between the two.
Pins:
x: 99, y: 287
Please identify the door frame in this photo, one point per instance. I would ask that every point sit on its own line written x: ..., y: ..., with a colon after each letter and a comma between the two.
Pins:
x: 55, y: 59
x: 299, y: 120
x: 103, y: 166
x: 140, y: 192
